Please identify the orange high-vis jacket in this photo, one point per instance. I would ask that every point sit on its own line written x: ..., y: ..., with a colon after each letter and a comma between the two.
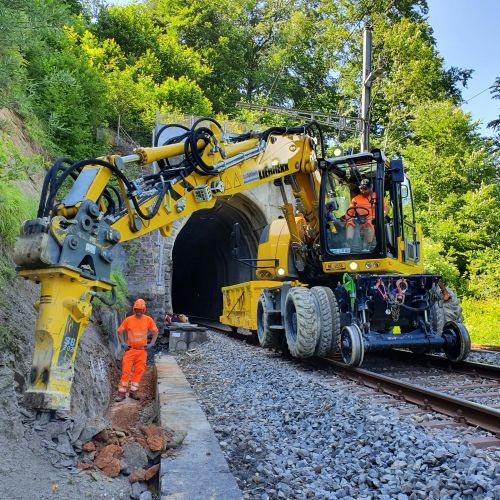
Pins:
x: 137, y: 330
x: 362, y: 201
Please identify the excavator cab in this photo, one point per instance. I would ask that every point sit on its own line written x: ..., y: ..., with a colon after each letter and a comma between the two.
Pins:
x: 367, y: 210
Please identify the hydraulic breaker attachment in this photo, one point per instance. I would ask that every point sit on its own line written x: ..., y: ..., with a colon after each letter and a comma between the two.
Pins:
x: 64, y: 310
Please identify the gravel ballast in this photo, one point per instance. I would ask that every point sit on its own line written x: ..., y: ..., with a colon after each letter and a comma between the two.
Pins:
x: 288, y: 434
x: 487, y: 357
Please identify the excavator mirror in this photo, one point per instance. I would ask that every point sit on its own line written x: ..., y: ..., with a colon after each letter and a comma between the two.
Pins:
x: 235, y: 240
x: 397, y: 172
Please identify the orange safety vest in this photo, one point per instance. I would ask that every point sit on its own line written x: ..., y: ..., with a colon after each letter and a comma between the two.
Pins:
x: 137, y: 330
x: 362, y: 201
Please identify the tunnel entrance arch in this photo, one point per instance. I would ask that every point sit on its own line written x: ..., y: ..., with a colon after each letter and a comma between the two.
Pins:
x: 202, y: 262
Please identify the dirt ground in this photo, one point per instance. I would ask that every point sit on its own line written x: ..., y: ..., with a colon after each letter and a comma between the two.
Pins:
x: 130, y: 414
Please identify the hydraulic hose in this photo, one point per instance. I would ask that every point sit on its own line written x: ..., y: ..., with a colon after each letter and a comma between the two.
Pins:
x: 49, y: 183
x: 164, y: 164
x: 103, y: 298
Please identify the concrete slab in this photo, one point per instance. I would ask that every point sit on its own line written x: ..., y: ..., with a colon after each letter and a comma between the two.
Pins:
x: 198, y: 470
x: 184, y: 336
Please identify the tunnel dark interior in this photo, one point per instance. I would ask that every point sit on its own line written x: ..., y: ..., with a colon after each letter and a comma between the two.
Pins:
x: 202, y: 255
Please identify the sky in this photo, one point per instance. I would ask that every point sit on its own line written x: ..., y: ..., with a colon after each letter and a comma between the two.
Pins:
x: 468, y: 36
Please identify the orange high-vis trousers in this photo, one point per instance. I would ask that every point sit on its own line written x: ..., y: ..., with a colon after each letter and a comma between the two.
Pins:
x: 133, y: 359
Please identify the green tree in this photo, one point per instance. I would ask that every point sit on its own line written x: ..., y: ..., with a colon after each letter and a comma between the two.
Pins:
x: 68, y: 95
x: 137, y: 31
x: 495, y: 124
x: 495, y: 92
x: 446, y: 155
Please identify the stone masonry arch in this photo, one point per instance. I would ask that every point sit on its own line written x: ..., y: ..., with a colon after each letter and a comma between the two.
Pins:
x: 201, y: 241
x: 201, y: 255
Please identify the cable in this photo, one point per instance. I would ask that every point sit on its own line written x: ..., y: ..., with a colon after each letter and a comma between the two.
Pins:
x: 478, y: 94
x: 163, y: 128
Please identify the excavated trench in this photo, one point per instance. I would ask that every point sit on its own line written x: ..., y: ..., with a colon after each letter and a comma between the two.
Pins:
x: 202, y: 255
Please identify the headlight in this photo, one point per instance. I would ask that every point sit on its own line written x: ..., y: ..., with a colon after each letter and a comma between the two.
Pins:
x: 280, y: 271
x: 353, y: 266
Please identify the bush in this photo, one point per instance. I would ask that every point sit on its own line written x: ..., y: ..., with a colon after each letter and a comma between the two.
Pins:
x: 435, y: 261
x: 121, y: 304
x: 121, y: 290
x: 484, y: 273
x: 482, y: 319
x: 15, y: 207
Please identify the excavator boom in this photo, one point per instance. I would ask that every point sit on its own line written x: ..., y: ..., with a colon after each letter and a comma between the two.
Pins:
x: 67, y: 248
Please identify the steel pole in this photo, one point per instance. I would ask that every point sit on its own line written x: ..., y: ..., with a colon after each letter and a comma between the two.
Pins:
x: 366, y: 88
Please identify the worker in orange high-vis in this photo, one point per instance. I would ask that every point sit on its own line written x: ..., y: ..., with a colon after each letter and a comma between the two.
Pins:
x: 137, y: 327
x: 366, y: 202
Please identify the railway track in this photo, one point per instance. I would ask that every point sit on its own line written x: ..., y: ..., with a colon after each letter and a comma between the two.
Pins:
x: 465, y: 383
x: 489, y: 348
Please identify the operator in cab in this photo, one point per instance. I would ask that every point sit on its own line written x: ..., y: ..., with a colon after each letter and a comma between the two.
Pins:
x: 362, y: 211
x: 134, y: 359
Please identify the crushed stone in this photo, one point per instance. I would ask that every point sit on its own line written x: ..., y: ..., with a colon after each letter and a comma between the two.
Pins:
x: 288, y: 434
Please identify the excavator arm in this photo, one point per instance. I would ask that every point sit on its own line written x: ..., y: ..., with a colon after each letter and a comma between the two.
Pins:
x: 67, y: 248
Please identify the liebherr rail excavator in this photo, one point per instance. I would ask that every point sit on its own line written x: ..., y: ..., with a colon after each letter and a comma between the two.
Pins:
x: 319, y: 288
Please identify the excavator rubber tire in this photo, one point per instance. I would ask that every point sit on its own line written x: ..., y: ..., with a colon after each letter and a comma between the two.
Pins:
x: 266, y: 337
x: 301, y: 322
x: 452, y: 308
x: 324, y: 311
x: 334, y: 306
x: 436, y: 317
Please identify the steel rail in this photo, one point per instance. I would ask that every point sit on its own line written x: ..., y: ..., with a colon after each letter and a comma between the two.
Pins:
x: 481, y: 347
x: 465, y: 367
x: 459, y: 409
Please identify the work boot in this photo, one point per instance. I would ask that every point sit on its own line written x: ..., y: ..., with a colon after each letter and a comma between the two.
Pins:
x: 119, y: 397
x: 133, y: 395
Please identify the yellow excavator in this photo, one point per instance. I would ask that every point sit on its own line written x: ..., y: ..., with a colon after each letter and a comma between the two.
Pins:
x: 330, y: 275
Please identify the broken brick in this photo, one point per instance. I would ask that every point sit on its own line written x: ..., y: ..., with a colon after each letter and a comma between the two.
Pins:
x: 151, y: 472
x: 89, y: 446
x: 137, y: 475
x: 113, y: 468
x: 108, y: 460
x: 154, y: 437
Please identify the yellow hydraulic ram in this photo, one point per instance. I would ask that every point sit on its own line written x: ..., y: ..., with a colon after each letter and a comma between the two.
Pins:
x: 57, y: 336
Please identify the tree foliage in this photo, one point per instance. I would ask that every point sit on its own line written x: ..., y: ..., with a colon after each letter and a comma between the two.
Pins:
x: 73, y: 67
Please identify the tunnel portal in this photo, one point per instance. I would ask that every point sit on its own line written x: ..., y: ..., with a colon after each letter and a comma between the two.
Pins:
x: 202, y: 259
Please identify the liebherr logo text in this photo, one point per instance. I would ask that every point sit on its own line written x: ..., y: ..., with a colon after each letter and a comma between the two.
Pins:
x: 272, y: 170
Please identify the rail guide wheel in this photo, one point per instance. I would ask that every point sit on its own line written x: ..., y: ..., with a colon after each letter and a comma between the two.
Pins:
x: 352, y: 347
x: 457, y: 346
